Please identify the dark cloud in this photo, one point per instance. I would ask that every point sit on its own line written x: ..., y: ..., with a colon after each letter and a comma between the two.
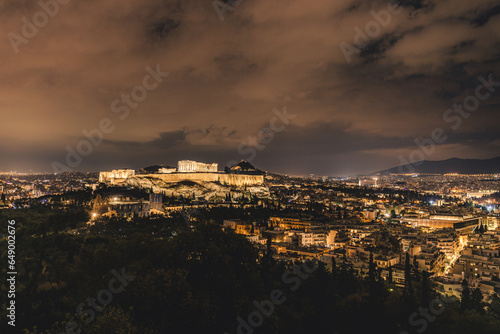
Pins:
x: 166, y: 140
x: 373, y: 50
x: 163, y: 28
x: 486, y: 15
x: 460, y: 47
x: 417, y: 4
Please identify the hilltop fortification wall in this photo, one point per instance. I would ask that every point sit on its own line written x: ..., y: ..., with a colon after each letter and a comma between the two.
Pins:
x: 238, y: 180
x: 223, y: 178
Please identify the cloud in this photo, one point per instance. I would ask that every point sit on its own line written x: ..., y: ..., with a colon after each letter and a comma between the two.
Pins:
x: 226, y: 78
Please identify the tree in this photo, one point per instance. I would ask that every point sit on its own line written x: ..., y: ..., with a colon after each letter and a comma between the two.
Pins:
x: 347, y: 280
x: 494, y: 306
x: 371, y: 270
x: 112, y: 320
x: 268, y: 256
x: 466, y: 298
x: 476, y: 301
x: 426, y: 289
x: 416, y: 273
x: 334, y: 268
x: 407, y: 269
x: 377, y: 289
x: 408, y: 293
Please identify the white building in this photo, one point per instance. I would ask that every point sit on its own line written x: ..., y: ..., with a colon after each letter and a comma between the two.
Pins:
x: 189, y: 166
x: 116, y: 176
x: 449, y: 246
x: 311, y: 238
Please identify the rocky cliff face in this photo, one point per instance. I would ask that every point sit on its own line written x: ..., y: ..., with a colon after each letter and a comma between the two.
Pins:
x: 212, y: 191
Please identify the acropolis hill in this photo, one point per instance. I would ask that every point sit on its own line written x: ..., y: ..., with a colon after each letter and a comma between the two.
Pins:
x: 241, y: 174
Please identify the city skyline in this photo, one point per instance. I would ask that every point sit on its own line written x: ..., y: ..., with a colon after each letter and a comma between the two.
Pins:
x: 290, y: 87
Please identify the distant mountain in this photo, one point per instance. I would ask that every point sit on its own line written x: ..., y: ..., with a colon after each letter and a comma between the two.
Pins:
x: 454, y: 165
x: 243, y: 167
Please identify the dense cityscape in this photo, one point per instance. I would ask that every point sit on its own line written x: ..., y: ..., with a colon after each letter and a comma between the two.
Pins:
x: 390, y: 229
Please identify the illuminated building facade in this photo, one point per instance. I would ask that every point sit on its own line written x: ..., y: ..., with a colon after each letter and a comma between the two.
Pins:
x: 115, y: 176
x: 189, y: 166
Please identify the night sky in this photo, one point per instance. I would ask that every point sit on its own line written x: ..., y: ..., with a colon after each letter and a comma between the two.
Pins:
x: 228, y: 79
